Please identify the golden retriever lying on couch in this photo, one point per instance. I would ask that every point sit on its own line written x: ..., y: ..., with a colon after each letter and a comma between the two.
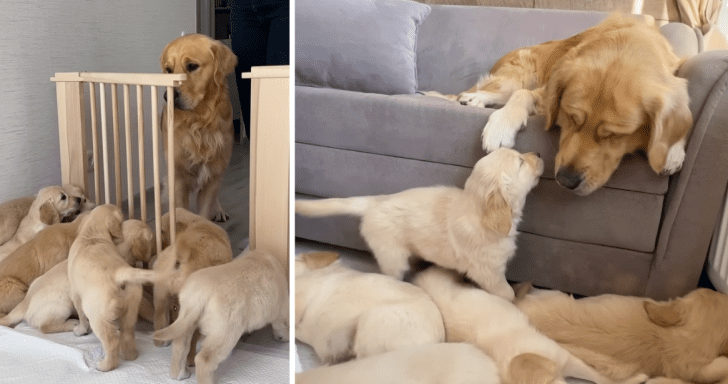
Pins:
x: 685, y: 339
x: 471, y: 230
x: 611, y: 89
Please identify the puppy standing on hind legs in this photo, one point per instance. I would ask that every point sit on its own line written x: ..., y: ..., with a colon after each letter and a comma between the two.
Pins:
x: 223, y: 302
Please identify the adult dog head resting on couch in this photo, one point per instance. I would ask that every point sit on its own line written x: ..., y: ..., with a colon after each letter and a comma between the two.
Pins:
x: 203, y: 139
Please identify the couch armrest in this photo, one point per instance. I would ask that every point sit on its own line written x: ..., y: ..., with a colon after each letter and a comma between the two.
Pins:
x: 696, y: 193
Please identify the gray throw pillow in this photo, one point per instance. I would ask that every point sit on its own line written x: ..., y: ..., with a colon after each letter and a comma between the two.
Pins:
x: 358, y: 45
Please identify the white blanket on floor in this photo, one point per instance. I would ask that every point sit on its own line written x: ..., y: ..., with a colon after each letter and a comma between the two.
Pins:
x: 29, y: 356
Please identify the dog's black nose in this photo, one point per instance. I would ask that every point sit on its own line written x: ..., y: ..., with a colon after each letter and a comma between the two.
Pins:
x: 538, y: 155
x: 78, y: 200
x: 568, y: 177
x: 165, y: 95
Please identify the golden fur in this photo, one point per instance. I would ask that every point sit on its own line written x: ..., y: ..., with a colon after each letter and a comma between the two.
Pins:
x: 343, y: 313
x: 685, y: 339
x: 203, y: 127
x: 223, y: 302
x: 611, y: 89
x: 105, y: 289
x: 50, y: 206
x: 200, y: 244
x: 48, y: 306
x: 472, y: 230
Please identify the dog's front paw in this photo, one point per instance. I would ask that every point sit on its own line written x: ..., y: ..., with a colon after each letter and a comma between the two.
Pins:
x: 501, y: 130
x: 220, y: 217
x: 80, y: 330
x: 184, y: 373
x: 674, y: 160
x: 474, y: 99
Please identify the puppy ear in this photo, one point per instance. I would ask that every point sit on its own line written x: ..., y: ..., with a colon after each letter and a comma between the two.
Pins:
x: 225, y: 61
x: 666, y: 315
x: 48, y: 214
x: 552, y: 97
x: 521, y: 290
x: 115, y: 229
x: 670, y: 121
x: 316, y: 260
x: 497, y: 216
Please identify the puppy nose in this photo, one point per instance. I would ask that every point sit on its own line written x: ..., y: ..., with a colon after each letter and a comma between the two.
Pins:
x: 568, y: 177
x: 78, y: 200
x: 537, y: 154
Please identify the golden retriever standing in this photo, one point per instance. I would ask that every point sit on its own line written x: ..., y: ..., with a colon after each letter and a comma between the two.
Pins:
x: 50, y: 206
x: 203, y: 131
x: 471, y: 230
x: 496, y: 326
x: 443, y: 363
x: 612, y: 89
x: 105, y: 289
x: 222, y: 303
x: 343, y: 313
x: 684, y: 339
x: 48, y: 306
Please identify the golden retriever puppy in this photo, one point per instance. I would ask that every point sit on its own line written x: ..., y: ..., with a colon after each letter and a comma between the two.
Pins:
x: 611, y: 89
x: 222, y: 303
x: 684, y: 339
x: 203, y: 123
x: 48, y: 306
x: 105, y: 289
x: 50, y: 206
x: 496, y: 326
x: 343, y: 313
x: 451, y: 363
x: 200, y: 243
x: 471, y: 230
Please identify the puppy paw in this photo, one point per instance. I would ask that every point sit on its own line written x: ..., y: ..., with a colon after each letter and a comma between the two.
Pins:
x: 474, y: 99
x: 501, y: 129
x: 80, y: 330
x: 220, y: 217
x: 106, y: 365
x: 160, y: 343
x: 129, y: 354
x: 184, y: 373
x: 674, y: 160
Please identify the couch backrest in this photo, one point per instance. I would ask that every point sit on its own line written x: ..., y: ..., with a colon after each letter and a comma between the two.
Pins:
x: 456, y: 45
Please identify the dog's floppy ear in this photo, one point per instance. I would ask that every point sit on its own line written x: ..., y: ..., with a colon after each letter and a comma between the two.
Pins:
x: 497, y: 216
x: 224, y: 60
x: 552, y: 97
x: 666, y: 315
x: 48, y: 214
x: 670, y: 120
x: 113, y: 225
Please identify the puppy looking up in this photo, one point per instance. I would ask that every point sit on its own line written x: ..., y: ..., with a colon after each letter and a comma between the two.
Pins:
x: 203, y: 122
x: 684, y: 339
x: 222, y: 303
x: 48, y: 305
x: 471, y: 230
x: 343, y: 313
x: 447, y: 363
x: 200, y: 243
x: 50, y: 206
x: 105, y: 290
x: 497, y: 327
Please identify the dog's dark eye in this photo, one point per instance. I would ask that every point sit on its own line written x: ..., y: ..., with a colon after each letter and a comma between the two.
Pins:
x: 192, y: 66
x: 176, y: 265
x: 63, y: 197
x: 168, y: 70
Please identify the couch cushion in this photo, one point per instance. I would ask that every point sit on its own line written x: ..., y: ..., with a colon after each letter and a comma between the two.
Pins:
x: 609, y: 216
x: 358, y: 45
x: 433, y: 130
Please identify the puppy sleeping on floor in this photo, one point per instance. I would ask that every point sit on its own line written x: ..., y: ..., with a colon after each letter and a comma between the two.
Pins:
x: 105, y: 289
x: 222, y: 303
x: 343, y: 313
x: 496, y: 326
x: 471, y: 230
x: 48, y: 306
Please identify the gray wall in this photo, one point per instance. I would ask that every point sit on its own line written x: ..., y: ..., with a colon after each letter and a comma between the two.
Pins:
x: 41, y: 37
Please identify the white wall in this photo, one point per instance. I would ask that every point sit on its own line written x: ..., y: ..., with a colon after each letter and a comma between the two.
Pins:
x: 41, y: 37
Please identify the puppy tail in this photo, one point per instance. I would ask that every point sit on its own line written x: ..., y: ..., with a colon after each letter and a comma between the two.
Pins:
x: 354, y: 206
x: 16, y: 315
x: 189, y: 314
x: 135, y: 276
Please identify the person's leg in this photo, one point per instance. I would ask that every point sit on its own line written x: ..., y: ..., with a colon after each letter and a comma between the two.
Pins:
x: 249, y: 38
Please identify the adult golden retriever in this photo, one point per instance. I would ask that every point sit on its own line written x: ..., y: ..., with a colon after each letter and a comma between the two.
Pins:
x: 685, y: 339
x: 471, y: 230
x: 611, y: 89
x: 203, y: 125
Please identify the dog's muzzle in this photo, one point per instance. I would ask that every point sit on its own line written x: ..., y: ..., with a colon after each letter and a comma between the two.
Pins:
x: 177, y: 102
x: 569, y: 177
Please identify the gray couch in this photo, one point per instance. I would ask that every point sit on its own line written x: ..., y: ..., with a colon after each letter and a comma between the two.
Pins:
x: 641, y: 234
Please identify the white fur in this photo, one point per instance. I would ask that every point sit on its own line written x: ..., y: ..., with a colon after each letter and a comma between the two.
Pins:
x: 675, y: 157
x: 503, y: 125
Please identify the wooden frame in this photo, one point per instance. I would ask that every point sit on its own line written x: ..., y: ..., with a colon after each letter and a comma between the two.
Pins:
x: 72, y: 136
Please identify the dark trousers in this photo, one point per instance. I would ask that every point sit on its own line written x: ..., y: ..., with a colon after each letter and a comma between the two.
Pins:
x: 259, y: 33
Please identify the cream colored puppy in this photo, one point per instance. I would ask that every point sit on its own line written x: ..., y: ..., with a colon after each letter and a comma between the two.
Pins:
x: 502, y: 331
x: 344, y: 313
x: 444, y: 363
x: 105, y: 290
x: 50, y: 206
x: 48, y: 306
x: 471, y: 230
x: 223, y: 302
x: 200, y: 243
